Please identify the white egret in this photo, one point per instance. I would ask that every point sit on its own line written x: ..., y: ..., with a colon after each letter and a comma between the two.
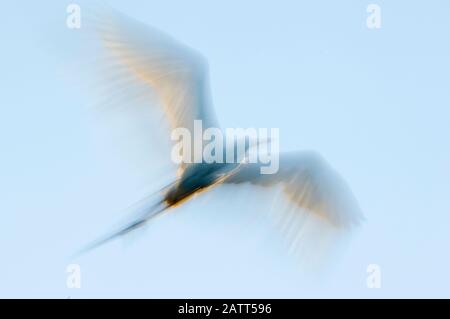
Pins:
x: 178, y: 75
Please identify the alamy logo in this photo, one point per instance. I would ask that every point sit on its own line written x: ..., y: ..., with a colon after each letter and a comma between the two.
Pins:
x: 374, y: 278
x: 73, y: 20
x: 74, y: 276
x: 374, y: 19
x: 237, y: 145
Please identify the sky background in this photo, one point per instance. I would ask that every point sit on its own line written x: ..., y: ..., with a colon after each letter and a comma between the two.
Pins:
x: 374, y: 102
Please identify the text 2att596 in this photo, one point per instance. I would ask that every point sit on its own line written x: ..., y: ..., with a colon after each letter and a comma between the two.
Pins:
x: 246, y: 308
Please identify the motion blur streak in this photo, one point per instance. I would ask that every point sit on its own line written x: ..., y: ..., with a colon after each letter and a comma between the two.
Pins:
x: 316, y: 208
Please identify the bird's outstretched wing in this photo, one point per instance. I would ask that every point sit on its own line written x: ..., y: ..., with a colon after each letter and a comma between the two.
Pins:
x: 177, y: 74
x: 309, y: 183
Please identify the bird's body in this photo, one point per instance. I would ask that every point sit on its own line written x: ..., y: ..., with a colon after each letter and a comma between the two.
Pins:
x: 195, y: 178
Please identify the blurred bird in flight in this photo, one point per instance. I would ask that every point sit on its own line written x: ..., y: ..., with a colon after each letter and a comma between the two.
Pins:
x: 178, y: 76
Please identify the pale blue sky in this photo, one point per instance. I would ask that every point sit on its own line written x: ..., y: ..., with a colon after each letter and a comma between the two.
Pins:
x: 375, y: 103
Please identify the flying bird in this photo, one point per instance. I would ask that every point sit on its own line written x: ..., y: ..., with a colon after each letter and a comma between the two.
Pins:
x: 179, y: 78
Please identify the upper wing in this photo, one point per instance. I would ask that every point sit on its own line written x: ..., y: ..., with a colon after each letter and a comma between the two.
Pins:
x: 310, y: 183
x: 177, y: 74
